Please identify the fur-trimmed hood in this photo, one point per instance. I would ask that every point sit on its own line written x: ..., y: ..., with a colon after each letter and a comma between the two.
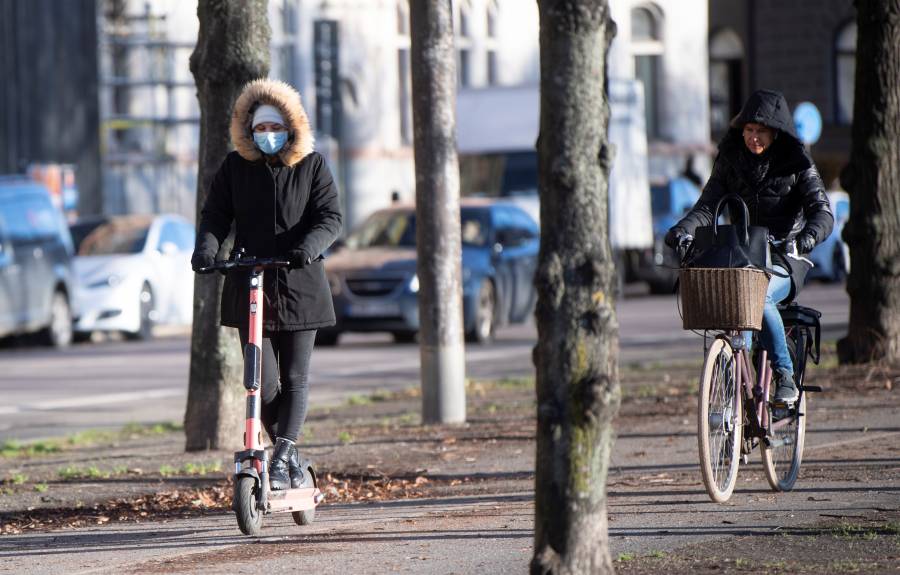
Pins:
x: 287, y: 100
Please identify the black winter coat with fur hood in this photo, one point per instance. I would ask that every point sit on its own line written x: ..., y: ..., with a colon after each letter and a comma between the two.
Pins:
x: 783, y: 190
x: 275, y: 209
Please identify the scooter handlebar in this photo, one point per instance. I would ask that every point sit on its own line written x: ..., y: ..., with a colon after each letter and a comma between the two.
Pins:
x: 245, y: 264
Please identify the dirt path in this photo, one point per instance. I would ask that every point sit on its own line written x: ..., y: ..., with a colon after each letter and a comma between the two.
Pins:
x: 408, y: 499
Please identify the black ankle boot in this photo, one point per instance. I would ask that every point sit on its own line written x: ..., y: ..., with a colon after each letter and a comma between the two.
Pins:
x: 279, y: 476
x: 296, y: 469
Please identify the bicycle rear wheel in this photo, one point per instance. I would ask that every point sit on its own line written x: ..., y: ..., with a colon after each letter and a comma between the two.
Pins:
x: 719, y: 421
x: 782, y: 454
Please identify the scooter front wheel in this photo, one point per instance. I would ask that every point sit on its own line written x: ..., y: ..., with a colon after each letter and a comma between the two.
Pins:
x: 246, y: 494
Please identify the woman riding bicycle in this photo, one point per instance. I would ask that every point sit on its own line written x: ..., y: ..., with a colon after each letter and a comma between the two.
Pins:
x: 284, y: 203
x: 762, y: 160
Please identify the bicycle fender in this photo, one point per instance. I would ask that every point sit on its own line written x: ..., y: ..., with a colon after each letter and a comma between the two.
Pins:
x: 248, y: 472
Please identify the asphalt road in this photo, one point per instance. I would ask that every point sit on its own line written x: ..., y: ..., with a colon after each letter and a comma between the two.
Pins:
x: 113, y: 383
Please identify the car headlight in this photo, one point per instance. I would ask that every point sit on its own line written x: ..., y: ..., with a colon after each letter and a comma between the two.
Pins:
x: 414, y: 284
x: 107, y: 282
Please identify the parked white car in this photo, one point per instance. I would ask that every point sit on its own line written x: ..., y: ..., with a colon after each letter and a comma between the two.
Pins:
x: 133, y: 272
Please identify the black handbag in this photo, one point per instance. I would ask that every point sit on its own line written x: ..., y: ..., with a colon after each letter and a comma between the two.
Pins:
x: 738, y: 245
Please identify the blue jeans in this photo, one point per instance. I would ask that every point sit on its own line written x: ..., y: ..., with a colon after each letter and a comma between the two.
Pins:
x: 772, y: 334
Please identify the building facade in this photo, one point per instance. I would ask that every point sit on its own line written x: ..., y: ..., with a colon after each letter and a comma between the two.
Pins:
x: 804, y: 49
x: 350, y: 61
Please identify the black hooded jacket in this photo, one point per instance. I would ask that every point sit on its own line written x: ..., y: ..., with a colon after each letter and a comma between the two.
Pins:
x: 786, y: 196
x: 275, y: 209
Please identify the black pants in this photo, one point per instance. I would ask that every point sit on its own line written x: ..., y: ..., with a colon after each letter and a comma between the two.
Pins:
x: 285, y: 380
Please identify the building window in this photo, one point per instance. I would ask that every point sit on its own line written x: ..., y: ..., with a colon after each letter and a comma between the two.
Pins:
x: 647, y: 48
x: 845, y: 72
x: 492, y: 72
x: 491, y: 44
x: 285, y: 41
x: 464, y: 43
x: 492, y: 11
x: 726, y: 55
x: 404, y: 76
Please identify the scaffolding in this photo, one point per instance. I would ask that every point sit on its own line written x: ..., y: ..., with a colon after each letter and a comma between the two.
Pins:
x: 149, y: 114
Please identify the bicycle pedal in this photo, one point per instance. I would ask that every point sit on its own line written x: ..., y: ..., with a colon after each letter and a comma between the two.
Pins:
x: 812, y: 388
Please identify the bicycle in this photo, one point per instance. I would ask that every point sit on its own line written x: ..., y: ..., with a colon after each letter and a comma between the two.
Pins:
x: 736, y: 414
x: 252, y: 496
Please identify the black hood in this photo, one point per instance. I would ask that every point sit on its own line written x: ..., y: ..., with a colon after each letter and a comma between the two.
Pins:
x: 769, y: 108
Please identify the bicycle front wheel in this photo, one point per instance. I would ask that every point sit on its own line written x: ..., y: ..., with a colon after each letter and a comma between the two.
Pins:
x: 719, y: 421
x: 782, y: 453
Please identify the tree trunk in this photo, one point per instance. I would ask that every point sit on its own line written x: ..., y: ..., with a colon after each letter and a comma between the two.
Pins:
x: 438, y: 241
x: 577, y: 351
x: 873, y: 180
x: 232, y: 49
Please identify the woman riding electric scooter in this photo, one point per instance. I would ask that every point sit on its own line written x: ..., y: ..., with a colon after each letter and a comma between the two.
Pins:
x: 281, y: 197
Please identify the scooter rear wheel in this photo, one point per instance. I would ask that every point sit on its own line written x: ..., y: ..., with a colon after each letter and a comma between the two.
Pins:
x: 309, y: 480
x: 249, y: 517
x: 304, y: 517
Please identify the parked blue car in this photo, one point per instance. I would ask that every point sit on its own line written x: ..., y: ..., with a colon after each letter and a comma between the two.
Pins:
x: 832, y: 257
x: 373, y: 273
x: 668, y: 203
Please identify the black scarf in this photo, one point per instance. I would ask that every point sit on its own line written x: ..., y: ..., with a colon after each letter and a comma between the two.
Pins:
x: 754, y: 167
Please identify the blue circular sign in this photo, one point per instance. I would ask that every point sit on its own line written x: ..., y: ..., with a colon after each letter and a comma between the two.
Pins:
x: 808, y: 122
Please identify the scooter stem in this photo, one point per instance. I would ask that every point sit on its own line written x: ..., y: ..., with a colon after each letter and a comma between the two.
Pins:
x: 253, y: 367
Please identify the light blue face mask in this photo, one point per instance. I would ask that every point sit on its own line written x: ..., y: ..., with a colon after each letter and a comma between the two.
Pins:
x: 270, y: 142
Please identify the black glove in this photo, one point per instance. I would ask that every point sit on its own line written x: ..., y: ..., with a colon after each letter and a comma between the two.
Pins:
x: 805, y: 243
x: 676, y: 236
x: 299, y: 258
x: 201, y: 260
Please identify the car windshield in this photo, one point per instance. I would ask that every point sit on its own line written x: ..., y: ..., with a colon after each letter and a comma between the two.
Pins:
x: 107, y: 237
x: 397, y: 229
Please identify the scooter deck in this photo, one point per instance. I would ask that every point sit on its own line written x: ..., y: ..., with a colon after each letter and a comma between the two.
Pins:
x: 300, y: 499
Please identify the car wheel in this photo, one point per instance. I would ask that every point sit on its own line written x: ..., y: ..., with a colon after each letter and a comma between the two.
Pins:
x: 404, y: 336
x: 327, y: 338
x: 58, y: 332
x: 838, y: 269
x: 145, y: 328
x: 485, y: 315
x: 82, y: 336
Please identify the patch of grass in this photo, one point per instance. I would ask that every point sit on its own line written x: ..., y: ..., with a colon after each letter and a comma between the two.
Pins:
x: 358, y: 399
x: 92, y: 437
x: 201, y: 468
x: 14, y: 449
x: 40, y: 487
x: 657, y: 554
x: 408, y: 418
x: 70, y: 473
x: 848, y: 566
x: 167, y: 470
x: 625, y: 557
x: 141, y: 430
x: 847, y: 530
x: 742, y: 563
x: 16, y: 479
x: 345, y: 437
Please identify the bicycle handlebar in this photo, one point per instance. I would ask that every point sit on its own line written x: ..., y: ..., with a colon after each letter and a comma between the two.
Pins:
x: 245, y: 263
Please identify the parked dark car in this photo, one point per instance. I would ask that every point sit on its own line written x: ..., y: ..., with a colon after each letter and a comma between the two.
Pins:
x: 669, y: 202
x: 374, y: 283
x: 831, y: 258
x: 36, y: 279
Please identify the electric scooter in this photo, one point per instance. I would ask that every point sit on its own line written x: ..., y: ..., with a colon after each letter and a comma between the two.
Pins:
x: 252, y: 496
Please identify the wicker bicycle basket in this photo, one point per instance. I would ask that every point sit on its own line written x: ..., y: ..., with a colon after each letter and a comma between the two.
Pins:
x: 722, y: 298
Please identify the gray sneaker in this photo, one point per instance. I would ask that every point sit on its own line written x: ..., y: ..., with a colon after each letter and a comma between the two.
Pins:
x: 785, y: 390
